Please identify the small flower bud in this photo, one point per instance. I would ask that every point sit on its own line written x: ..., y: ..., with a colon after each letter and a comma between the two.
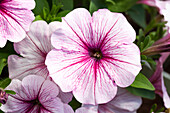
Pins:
x: 3, y: 96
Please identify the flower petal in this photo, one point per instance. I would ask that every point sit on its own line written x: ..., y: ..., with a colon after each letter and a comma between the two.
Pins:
x: 48, y: 91
x: 21, y: 67
x: 76, y: 30
x: 109, y: 27
x: 68, y: 109
x: 125, y: 101
x: 88, y: 109
x: 166, y: 97
x: 89, y: 82
x: 65, y: 97
x: 14, y: 22
x: 16, y: 85
x: 54, y: 105
x: 34, y: 49
x: 15, y: 106
x: 27, y: 4
x: 37, y: 43
x: 31, y: 86
x: 3, y: 41
x: 122, y: 63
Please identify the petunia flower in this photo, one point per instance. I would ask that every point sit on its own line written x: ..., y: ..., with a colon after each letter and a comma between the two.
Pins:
x: 34, y: 94
x: 15, y: 19
x: 124, y: 102
x: 158, y: 81
x: 33, y: 50
x: 93, y: 55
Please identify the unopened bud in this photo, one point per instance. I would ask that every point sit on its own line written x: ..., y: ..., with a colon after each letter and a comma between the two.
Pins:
x: 3, y: 96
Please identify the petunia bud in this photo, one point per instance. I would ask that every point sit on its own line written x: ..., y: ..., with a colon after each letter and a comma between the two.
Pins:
x: 3, y: 96
x: 160, y: 46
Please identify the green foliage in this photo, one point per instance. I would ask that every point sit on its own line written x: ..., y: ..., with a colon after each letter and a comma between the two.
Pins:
x: 3, y: 63
x: 154, y: 109
x: 112, y: 5
x: 52, y: 15
x: 74, y: 104
x: 137, y: 13
x: 141, y: 92
x: 40, y: 5
x: 1, y: 110
x: 96, y: 4
x: 4, y: 83
x: 142, y: 82
x: 120, y: 5
x: 67, y: 4
x: 144, y: 42
x: 7, y: 50
x: 10, y: 92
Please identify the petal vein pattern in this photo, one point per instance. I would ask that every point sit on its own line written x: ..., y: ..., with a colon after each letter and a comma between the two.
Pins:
x: 93, y: 55
x: 15, y: 19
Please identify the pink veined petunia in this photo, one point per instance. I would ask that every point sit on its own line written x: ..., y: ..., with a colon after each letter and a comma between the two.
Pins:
x: 34, y: 94
x: 158, y: 81
x: 93, y: 55
x: 15, y: 19
x: 124, y: 102
x: 33, y: 50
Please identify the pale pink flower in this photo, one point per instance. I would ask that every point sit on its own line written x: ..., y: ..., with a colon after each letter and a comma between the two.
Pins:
x: 15, y: 19
x: 93, y: 55
x: 124, y: 102
x: 33, y: 50
x: 158, y: 81
x: 34, y: 94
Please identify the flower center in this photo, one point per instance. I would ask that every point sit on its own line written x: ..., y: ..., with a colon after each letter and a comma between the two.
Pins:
x: 97, y: 54
x: 36, y: 102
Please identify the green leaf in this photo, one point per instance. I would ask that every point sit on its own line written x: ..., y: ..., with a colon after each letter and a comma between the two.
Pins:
x: 142, y: 82
x: 38, y: 17
x: 137, y: 13
x: 154, y: 107
x: 4, y: 83
x: 97, y: 4
x: 10, y: 92
x: 141, y: 92
x: 3, y: 63
x: 1, y: 111
x: 63, y: 13
x: 67, y: 4
x: 120, y: 5
x: 7, y: 50
x: 40, y: 5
